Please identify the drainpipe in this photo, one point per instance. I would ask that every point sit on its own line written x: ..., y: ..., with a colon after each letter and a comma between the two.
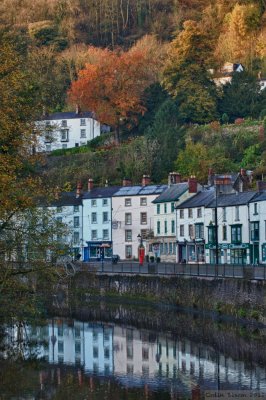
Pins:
x: 249, y: 235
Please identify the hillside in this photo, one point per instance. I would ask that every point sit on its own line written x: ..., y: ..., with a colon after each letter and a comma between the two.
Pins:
x: 225, y: 148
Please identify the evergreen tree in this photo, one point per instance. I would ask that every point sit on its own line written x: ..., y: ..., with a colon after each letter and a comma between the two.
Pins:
x: 242, y: 97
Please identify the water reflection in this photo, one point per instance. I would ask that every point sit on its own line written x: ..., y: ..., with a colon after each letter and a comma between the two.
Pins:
x: 134, y: 357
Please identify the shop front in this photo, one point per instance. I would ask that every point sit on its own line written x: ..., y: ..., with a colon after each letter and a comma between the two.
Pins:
x: 239, y: 254
x: 191, y: 252
x: 98, y: 251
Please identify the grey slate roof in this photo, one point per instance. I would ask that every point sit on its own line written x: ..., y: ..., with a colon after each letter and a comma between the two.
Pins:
x: 200, y: 199
x: 66, y: 199
x: 67, y: 115
x: 140, y: 190
x: 260, y: 196
x: 101, y: 192
x: 232, y: 199
x: 172, y: 193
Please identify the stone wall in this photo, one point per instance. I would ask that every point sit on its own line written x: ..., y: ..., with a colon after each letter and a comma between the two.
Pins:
x: 238, y: 297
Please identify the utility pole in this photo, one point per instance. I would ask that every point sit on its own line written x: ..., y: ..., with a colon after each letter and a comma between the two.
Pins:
x: 216, y: 227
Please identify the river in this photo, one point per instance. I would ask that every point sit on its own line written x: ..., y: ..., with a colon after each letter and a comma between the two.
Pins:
x: 129, y: 353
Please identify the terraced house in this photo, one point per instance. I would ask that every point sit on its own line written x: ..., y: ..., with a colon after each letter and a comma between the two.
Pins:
x: 163, y: 245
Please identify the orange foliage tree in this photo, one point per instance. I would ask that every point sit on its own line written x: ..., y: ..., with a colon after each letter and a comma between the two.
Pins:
x: 113, y: 82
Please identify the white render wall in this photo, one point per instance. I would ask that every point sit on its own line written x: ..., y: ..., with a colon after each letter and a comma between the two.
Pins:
x: 67, y: 215
x: 73, y: 125
x: 99, y: 209
x: 119, y: 225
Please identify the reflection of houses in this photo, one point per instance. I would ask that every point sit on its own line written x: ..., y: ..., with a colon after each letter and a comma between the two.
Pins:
x: 134, y: 352
x: 164, y: 243
x: 64, y: 130
x: 97, y: 216
x: 136, y: 357
x: 133, y: 216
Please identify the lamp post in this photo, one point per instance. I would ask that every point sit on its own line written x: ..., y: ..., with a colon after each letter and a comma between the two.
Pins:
x: 216, y: 227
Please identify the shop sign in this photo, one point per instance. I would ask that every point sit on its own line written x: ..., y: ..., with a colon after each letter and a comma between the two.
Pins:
x: 239, y: 246
x: 220, y: 246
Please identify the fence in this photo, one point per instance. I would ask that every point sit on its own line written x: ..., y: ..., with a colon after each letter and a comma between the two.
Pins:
x: 164, y: 269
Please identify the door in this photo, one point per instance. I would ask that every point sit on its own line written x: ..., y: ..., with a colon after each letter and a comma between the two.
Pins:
x: 86, y: 254
x: 254, y: 253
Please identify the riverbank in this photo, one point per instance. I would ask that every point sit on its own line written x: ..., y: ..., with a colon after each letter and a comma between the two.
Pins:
x: 234, y: 297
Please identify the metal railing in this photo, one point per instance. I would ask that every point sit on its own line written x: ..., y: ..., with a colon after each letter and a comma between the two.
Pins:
x: 170, y: 269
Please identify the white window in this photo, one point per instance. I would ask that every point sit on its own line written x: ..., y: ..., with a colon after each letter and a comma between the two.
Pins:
x: 191, y: 231
x: 94, y: 203
x: 224, y: 214
x: 105, y: 234
x: 83, y: 133
x: 48, y: 147
x: 105, y: 202
x: 94, y: 234
x: 128, y: 218
x: 59, y: 209
x: 76, y: 209
x: 143, y: 218
x: 237, y: 213
x: 199, y: 213
x: 128, y: 235
x: 82, y: 122
x: 144, y: 233
x: 190, y: 213
x: 105, y: 217
x: 181, y: 214
x: 76, y: 222
x: 127, y: 202
x: 64, y: 135
x: 128, y: 250
x: 181, y: 230
x: 64, y: 123
x: 76, y: 238
x: 94, y: 218
x: 143, y: 201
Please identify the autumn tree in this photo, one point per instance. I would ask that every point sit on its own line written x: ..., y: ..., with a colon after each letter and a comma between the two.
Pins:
x: 239, y: 35
x: 185, y: 75
x: 113, y: 82
x: 23, y: 237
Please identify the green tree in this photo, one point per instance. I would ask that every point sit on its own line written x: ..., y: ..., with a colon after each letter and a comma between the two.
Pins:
x: 241, y: 98
x: 185, y: 76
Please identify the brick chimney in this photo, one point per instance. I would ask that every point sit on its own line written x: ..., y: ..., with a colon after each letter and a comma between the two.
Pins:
x: 192, y: 184
x: 126, y: 182
x: 146, y: 180
x: 173, y: 178
x: 90, y: 184
x: 78, y: 189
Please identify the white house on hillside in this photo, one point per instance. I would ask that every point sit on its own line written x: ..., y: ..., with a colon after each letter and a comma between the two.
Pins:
x: 64, y: 130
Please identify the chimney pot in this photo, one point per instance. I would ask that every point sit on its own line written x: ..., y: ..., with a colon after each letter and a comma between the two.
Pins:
x: 173, y: 178
x: 146, y: 180
x: 79, y: 189
x: 126, y: 182
x: 90, y: 184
